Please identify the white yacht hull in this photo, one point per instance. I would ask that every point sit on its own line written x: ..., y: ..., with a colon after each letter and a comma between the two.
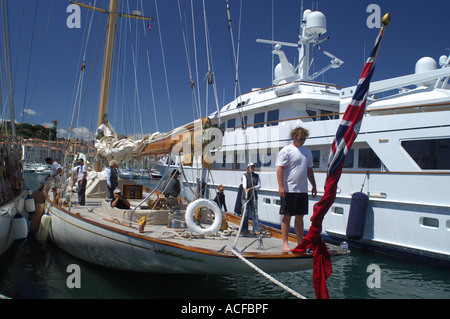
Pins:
x: 409, y: 208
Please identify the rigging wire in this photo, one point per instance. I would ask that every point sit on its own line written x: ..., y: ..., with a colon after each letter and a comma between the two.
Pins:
x: 194, y: 39
x: 195, y: 107
x: 79, y: 91
x: 239, y: 97
x: 29, y: 60
x: 210, y: 74
x: 164, y: 64
x: 43, y: 55
x: 149, y: 69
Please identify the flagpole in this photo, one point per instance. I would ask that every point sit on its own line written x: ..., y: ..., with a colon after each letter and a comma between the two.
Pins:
x: 385, y: 21
x: 345, y: 135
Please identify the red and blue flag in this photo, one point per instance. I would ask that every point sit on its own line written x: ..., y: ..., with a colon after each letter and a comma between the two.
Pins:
x: 345, y: 135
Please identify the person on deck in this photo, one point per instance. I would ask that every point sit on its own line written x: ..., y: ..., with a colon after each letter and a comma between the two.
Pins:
x: 172, y: 190
x: 295, y: 168
x: 81, y: 171
x: 251, y: 183
x: 112, y: 177
x: 220, y: 198
x: 119, y: 201
x: 55, y: 175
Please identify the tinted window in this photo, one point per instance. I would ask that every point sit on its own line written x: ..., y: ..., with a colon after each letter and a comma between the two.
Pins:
x: 316, y: 158
x: 368, y: 159
x: 429, y: 154
x: 231, y: 123
x: 244, y: 121
x: 349, y: 160
x: 259, y: 118
x: 273, y: 116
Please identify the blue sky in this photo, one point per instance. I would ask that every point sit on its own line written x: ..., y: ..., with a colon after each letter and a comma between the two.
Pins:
x: 46, y: 62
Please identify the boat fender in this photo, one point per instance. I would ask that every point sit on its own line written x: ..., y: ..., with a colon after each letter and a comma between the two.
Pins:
x: 21, y: 205
x: 190, y: 212
x: 142, y: 223
x: 30, y: 206
x: 44, y: 229
x: 19, y: 227
x: 357, y: 216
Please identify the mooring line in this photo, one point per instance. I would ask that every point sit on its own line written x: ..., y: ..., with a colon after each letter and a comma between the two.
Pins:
x: 294, y: 293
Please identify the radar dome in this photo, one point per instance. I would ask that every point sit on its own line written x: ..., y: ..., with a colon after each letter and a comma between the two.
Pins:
x: 316, y: 23
x: 424, y: 65
x: 280, y: 77
x: 443, y: 60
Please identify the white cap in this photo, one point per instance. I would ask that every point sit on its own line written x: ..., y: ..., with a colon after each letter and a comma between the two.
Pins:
x: 250, y: 164
x: 117, y: 191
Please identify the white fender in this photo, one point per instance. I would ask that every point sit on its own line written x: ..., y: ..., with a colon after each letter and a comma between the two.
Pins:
x: 43, y: 229
x: 19, y: 227
x: 30, y: 205
x: 190, y: 211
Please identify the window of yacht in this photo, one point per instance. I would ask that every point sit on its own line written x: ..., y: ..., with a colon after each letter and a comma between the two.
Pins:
x: 231, y: 123
x: 312, y: 113
x: 429, y: 153
x: 244, y: 121
x: 316, y: 158
x: 259, y: 119
x: 273, y: 116
x: 328, y: 117
x: 350, y: 159
x: 237, y: 158
x: 368, y: 159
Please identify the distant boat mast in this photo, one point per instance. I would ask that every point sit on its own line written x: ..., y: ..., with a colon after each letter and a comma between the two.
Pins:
x: 8, y: 70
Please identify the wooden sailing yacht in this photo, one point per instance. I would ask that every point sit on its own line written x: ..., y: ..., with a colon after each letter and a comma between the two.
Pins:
x: 13, y: 225
x: 196, y: 238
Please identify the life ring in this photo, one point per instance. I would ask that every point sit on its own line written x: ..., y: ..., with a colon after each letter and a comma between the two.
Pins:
x: 190, y: 212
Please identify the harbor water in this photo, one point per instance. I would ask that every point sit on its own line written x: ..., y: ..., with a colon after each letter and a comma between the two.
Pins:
x: 43, y: 271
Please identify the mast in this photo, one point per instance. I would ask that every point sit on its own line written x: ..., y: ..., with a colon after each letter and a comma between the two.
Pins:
x: 107, y: 67
x: 113, y: 14
x: 8, y: 70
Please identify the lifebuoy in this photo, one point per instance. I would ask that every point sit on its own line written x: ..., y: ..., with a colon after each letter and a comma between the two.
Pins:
x: 190, y: 212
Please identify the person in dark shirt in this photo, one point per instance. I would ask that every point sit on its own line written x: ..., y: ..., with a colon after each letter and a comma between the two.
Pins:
x: 172, y: 190
x: 220, y: 198
x: 119, y: 201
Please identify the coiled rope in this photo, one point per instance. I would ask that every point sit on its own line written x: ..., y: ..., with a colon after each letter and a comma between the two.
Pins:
x: 291, y: 291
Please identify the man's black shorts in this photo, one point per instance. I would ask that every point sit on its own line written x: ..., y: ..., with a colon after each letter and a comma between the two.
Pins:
x: 294, y: 204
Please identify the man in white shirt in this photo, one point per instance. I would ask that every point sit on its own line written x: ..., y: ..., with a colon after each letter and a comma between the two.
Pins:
x: 295, y: 168
x: 81, y: 171
x: 55, y: 175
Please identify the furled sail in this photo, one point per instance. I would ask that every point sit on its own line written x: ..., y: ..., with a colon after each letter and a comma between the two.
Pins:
x: 111, y: 146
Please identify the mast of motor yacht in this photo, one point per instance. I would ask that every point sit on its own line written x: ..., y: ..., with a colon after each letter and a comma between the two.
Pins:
x: 113, y: 14
x: 312, y: 27
x: 8, y: 70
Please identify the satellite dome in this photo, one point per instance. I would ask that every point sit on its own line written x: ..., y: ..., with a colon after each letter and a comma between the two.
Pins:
x: 443, y: 60
x: 316, y: 23
x: 424, y: 65
x: 279, y: 75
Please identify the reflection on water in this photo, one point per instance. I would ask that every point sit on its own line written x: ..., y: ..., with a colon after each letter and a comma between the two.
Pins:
x: 32, y: 270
